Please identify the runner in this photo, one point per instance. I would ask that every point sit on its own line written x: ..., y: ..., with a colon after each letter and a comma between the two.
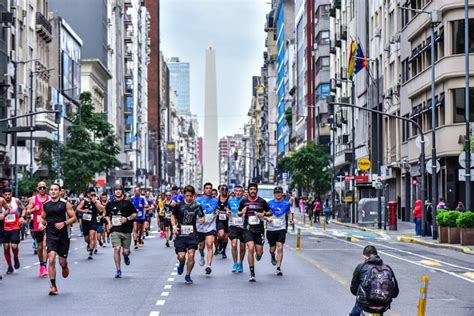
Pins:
x: 104, y: 199
x: 222, y: 222
x: 120, y: 215
x: 160, y: 215
x: 168, y: 206
x: 207, y: 230
x: 12, y: 220
x: 149, y: 212
x: 278, y: 226
x: 215, y: 193
x: 35, y: 208
x: 176, y: 197
x: 101, y: 222
x: 141, y: 206
x: 254, y: 209
x: 236, y: 229
x: 53, y: 218
x: 184, y: 217
x: 90, y: 208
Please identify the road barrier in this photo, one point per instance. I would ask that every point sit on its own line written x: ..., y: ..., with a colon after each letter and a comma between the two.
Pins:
x: 423, y: 295
x: 323, y: 221
x: 304, y: 219
x: 298, y: 240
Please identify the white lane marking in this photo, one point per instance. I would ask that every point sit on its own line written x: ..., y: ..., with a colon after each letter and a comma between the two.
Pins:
x: 27, y: 267
x: 175, y: 268
x: 165, y: 294
x: 170, y: 279
x: 82, y: 246
x: 160, y: 302
x: 409, y: 261
x: 425, y: 257
x: 174, y: 273
x: 75, y: 262
x: 154, y: 313
x: 168, y: 286
x: 73, y: 238
x: 176, y: 264
x: 36, y: 263
x: 76, y: 248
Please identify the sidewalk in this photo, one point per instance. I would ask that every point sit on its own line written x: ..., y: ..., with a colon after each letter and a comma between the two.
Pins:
x: 406, y: 233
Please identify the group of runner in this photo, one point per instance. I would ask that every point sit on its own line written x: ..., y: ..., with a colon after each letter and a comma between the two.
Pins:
x: 204, y: 223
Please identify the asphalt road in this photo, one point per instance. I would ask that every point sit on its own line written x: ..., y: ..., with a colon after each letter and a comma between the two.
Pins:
x: 315, y: 282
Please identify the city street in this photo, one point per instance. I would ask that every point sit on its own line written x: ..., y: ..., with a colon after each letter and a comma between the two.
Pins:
x: 315, y: 282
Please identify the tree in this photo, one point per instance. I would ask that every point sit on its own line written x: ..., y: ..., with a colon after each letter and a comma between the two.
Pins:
x: 91, y: 147
x: 309, y: 169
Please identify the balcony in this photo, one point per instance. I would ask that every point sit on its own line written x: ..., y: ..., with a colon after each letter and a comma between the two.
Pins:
x: 127, y: 19
x: 128, y: 54
x: 129, y: 36
x: 332, y: 48
x: 43, y: 27
x: 45, y: 121
x: 128, y: 3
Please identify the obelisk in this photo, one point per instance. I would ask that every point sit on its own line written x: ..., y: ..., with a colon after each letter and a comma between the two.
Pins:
x: 210, y: 142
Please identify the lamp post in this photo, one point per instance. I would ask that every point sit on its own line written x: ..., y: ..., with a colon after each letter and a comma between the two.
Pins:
x: 467, y: 147
x: 15, y: 113
x: 435, y: 19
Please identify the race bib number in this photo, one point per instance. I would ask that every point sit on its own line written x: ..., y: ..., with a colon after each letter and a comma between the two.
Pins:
x: 237, y: 221
x: 116, y: 220
x: 254, y: 220
x: 222, y: 216
x: 10, y: 218
x: 87, y: 217
x: 140, y: 214
x: 168, y: 215
x: 209, y: 217
x: 278, y: 222
x: 186, y: 229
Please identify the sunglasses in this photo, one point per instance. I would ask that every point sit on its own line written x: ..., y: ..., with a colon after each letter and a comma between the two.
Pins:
x: 41, y: 188
x: 168, y: 195
x: 94, y: 195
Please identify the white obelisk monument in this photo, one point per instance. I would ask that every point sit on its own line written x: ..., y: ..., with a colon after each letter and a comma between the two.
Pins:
x: 210, y: 141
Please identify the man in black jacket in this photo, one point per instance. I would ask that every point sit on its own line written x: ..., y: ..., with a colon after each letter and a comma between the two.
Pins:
x: 361, y: 281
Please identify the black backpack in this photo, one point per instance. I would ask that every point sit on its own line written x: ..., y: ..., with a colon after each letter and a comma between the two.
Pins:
x: 378, y: 285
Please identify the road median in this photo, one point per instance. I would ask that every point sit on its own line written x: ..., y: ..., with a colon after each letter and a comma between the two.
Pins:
x: 435, y: 244
x: 365, y: 229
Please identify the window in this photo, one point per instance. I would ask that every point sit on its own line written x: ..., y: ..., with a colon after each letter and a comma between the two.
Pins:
x: 405, y: 71
x: 441, y: 108
x: 323, y: 38
x: 406, y: 130
x: 322, y: 91
x: 458, y: 36
x: 322, y: 62
x: 459, y: 104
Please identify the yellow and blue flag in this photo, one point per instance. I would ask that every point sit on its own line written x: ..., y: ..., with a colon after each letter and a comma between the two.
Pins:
x: 357, y: 60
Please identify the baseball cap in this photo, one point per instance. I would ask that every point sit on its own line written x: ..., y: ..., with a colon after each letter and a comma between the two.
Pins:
x: 278, y: 190
x: 118, y: 187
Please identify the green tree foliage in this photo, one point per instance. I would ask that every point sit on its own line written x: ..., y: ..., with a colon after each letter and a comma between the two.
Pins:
x: 309, y: 169
x: 91, y: 147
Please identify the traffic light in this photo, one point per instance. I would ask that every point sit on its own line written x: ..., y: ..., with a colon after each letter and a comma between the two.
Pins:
x: 57, y: 115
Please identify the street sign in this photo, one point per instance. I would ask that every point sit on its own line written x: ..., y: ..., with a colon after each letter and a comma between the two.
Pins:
x: 418, y: 142
x: 429, y: 166
x: 363, y: 164
x: 462, y: 175
x: 462, y: 159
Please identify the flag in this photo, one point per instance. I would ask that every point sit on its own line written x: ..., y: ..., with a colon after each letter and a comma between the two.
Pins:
x: 357, y: 60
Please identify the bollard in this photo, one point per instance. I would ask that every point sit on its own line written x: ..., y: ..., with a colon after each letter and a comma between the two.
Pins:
x: 423, y: 296
x: 323, y: 220
x: 304, y: 219
x: 298, y: 239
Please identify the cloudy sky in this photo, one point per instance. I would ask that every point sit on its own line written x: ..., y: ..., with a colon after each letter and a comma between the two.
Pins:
x: 235, y: 28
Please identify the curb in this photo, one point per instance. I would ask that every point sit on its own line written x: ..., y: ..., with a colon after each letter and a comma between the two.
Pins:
x: 406, y: 239
x: 365, y: 229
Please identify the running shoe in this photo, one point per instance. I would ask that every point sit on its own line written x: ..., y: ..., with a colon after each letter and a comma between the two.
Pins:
x: 126, y: 259
x: 240, y: 269
x: 95, y: 251
x: 53, y: 290
x: 136, y: 247
x: 258, y: 257
x: 216, y: 252
x: 180, y: 269
x: 17, y: 263
x: 274, y: 261
x: 201, y: 261
x: 118, y: 275
x: 252, y: 278
x: 44, y: 271
x: 278, y: 272
x: 10, y: 270
x: 90, y: 256
x: 65, y: 272
x: 167, y: 244
x: 235, y: 267
x: 188, y: 280
x: 224, y: 256
x: 208, y: 270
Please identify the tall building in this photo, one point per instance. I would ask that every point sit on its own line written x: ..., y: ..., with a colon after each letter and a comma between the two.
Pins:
x: 211, y: 158
x: 180, y: 82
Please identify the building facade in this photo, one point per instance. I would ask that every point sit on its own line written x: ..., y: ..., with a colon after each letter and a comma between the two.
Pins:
x: 180, y: 82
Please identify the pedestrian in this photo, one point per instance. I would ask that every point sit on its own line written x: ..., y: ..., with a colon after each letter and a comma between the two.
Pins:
x: 317, y: 210
x: 327, y: 210
x: 429, y: 218
x: 460, y: 207
x: 441, y: 205
x: 373, y: 283
x: 417, y: 213
x: 302, y: 205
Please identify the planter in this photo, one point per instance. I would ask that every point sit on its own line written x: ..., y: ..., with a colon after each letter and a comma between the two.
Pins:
x: 454, y: 235
x: 467, y: 236
x: 443, y: 234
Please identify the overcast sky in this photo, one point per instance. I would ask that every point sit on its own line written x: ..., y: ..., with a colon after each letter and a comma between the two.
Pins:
x: 236, y: 30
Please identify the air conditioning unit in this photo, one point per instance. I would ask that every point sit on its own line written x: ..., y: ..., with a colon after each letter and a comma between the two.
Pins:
x: 395, y: 90
x: 22, y: 89
x: 389, y: 93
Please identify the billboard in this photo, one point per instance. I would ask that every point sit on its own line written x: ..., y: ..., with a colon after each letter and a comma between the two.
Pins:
x: 171, y: 159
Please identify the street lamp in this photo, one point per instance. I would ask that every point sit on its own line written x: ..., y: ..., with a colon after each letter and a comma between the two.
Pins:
x: 15, y: 96
x: 435, y: 17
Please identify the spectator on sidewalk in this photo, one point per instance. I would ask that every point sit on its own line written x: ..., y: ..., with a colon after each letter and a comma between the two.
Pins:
x: 327, y: 210
x: 374, y: 284
x: 317, y: 210
x: 429, y: 218
x: 460, y: 207
x: 302, y: 205
x: 417, y: 213
x: 441, y: 205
